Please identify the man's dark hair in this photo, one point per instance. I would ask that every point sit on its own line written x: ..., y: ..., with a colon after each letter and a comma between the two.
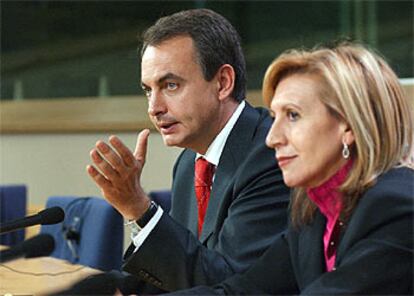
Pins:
x: 215, y: 40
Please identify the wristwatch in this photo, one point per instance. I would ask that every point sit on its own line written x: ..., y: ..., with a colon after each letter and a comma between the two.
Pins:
x: 137, y: 225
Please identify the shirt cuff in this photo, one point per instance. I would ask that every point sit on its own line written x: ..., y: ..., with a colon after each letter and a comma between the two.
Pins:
x: 139, y: 238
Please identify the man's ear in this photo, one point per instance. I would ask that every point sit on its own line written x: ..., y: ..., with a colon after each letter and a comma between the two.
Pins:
x: 226, y: 78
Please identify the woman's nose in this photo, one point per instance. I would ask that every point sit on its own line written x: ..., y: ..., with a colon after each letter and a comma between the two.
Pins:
x: 275, y: 137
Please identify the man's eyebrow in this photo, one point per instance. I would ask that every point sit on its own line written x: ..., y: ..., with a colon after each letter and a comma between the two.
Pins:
x: 163, y: 78
x: 169, y: 76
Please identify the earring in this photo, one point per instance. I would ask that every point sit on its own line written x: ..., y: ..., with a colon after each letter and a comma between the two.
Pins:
x: 345, y: 150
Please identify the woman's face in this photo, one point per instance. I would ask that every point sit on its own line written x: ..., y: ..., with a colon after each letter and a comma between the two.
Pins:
x: 307, y: 138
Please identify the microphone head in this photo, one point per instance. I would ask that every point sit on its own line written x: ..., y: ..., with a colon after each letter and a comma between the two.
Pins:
x: 38, y: 246
x: 51, y: 215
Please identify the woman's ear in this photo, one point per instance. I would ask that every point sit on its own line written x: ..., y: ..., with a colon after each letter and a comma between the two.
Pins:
x: 348, y: 136
x: 226, y: 78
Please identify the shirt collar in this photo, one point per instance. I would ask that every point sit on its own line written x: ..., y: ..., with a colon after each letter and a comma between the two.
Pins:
x: 326, y: 196
x: 215, y: 149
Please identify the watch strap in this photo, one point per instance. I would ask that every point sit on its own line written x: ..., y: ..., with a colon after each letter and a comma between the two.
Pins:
x: 146, y: 217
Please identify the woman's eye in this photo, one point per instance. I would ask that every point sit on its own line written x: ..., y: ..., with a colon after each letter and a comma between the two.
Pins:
x: 293, y: 116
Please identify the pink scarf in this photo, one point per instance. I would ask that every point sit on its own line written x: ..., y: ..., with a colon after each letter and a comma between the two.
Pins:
x: 329, y: 202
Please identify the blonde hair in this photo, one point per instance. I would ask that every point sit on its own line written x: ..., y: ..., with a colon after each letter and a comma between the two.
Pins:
x: 366, y: 94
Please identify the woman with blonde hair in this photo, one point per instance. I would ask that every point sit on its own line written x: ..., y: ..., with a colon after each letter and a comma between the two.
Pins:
x: 342, y: 135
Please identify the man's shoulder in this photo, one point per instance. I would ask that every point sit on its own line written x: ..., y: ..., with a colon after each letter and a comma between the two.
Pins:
x: 249, y: 133
x: 257, y: 116
x: 251, y: 127
x: 246, y: 151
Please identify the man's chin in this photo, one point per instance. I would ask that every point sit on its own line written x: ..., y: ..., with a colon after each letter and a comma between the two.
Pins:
x: 170, y: 141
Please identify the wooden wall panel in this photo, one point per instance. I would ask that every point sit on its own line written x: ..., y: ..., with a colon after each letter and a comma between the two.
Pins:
x: 80, y: 115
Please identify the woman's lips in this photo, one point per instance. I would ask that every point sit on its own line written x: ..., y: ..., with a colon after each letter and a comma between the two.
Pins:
x: 284, y: 160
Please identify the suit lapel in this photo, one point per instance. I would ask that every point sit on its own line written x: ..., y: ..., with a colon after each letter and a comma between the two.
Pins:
x: 310, y: 249
x: 184, y: 203
x: 234, y: 152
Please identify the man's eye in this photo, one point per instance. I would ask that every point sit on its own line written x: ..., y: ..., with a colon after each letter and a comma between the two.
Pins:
x: 293, y: 116
x: 172, y: 86
x: 147, y: 92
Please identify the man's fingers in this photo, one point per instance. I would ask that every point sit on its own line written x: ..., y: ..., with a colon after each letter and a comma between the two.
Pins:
x: 111, y: 156
x: 124, y: 152
x: 103, y: 165
x: 100, y: 180
x: 140, y: 152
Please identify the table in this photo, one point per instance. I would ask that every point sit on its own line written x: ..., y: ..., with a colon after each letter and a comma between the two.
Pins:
x: 40, y: 276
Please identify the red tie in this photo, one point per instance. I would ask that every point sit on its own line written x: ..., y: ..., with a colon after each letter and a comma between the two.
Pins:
x: 203, y: 180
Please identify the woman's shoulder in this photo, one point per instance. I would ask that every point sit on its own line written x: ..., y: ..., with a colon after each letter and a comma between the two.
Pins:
x: 403, y: 172
x: 398, y: 180
x: 396, y: 186
x: 390, y: 199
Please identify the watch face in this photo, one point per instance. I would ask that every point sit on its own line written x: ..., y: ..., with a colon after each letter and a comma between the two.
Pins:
x: 135, y: 228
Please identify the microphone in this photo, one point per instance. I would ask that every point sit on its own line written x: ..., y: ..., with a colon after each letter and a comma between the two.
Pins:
x: 51, y: 215
x: 37, y: 246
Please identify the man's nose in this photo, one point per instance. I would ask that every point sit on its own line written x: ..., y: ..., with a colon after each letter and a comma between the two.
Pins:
x: 156, y: 104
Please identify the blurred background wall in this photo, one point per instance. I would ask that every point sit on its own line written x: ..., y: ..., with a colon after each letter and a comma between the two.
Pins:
x: 70, y: 74
x: 52, y: 49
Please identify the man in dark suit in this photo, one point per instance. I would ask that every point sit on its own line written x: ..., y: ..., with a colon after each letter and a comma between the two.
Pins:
x: 228, y: 196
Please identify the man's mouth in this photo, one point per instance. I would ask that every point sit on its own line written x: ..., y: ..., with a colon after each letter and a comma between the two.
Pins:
x: 167, y: 128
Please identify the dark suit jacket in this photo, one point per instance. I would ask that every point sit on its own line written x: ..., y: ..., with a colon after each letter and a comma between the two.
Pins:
x: 247, y: 208
x: 374, y: 255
